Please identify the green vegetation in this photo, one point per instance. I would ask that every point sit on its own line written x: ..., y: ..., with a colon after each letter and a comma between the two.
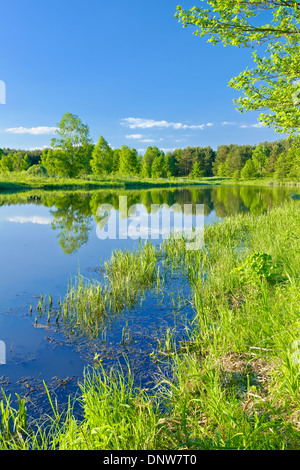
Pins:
x: 235, y: 381
x: 88, y: 308
x: 272, y: 29
x: 277, y: 161
x: 74, y: 161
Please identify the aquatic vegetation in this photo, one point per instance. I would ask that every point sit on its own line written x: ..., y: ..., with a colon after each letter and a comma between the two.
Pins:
x: 89, y: 306
x: 235, y: 381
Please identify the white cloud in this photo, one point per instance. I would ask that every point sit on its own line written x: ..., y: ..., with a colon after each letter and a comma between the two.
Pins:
x: 147, y: 140
x: 258, y: 125
x: 40, y: 148
x: 134, y: 136
x: 139, y: 123
x: 41, y: 130
x: 33, y: 220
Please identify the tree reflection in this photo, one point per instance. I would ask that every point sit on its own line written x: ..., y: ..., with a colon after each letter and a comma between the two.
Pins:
x: 75, y: 214
x: 73, y: 221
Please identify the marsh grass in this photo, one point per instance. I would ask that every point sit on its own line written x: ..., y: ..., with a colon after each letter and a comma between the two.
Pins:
x: 91, y: 305
x: 236, y: 379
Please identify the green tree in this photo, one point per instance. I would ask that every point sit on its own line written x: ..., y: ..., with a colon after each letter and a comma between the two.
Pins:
x: 292, y: 160
x: 273, y: 26
x: 221, y: 155
x: 128, y: 163
x: 197, y: 171
x: 169, y: 165
x: 236, y: 175
x: 74, y: 145
x: 7, y: 163
x: 209, y: 157
x: 55, y: 162
x: 222, y: 170
x: 157, y: 170
x: 248, y: 172
x: 148, y: 159
x: 260, y: 158
x: 116, y: 161
x: 280, y: 168
x: 102, y: 158
x: 20, y: 162
x: 184, y: 161
x: 234, y: 161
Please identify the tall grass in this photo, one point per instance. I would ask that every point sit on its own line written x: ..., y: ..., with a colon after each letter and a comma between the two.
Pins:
x: 90, y: 306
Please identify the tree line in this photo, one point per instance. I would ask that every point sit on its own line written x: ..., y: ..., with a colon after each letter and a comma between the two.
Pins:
x: 72, y: 154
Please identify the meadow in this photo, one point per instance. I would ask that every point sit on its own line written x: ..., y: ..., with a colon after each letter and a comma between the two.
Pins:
x: 21, y: 181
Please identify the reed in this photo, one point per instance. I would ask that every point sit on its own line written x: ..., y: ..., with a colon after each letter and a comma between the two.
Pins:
x: 90, y: 306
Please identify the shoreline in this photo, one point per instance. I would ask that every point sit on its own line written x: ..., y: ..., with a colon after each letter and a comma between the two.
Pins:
x: 52, y: 184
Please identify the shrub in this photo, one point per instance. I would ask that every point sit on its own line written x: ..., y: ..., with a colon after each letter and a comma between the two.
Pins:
x: 37, y: 170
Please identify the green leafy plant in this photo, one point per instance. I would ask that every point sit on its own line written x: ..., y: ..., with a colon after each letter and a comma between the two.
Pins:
x: 259, y: 265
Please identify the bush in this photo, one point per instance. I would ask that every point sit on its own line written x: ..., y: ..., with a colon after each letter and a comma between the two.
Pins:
x: 37, y: 170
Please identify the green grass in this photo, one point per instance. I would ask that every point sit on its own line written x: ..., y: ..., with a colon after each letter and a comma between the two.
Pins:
x: 236, y: 380
x: 22, y: 182
x: 88, y: 307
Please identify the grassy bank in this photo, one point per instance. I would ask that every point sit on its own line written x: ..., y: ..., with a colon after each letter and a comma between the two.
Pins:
x: 22, y: 182
x: 236, y: 380
x: 12, y: 182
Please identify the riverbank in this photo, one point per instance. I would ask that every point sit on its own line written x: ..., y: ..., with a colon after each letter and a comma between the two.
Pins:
x: 16, y: 182
x: 22, y: 182
x: 236, y: 381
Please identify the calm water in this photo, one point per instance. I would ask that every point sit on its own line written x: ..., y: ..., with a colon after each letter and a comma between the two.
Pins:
x: 45, y: 238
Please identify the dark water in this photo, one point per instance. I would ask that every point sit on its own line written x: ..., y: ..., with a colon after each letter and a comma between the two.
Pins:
x: 45, y: 238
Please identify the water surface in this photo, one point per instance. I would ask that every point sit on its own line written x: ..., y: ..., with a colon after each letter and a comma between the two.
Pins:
x: 45, y: 239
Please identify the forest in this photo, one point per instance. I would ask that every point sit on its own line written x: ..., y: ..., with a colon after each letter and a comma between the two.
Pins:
x: 277, y: 160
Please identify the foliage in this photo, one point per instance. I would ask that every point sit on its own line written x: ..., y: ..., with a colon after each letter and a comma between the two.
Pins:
x: 128, y: 161
x: 14, y: 162
x: 197, y: 171
x: 102, y: 158
x: 278, y: 159
x: 269, y: 25
x: 73, y: 156
x: 260, y: 158
x: 258, y: 265
x: 74, y: 146
x: 37, y: 170
x: 248, y: 172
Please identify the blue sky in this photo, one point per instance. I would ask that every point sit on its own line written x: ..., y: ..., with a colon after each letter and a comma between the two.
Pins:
x: 127, y: 68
